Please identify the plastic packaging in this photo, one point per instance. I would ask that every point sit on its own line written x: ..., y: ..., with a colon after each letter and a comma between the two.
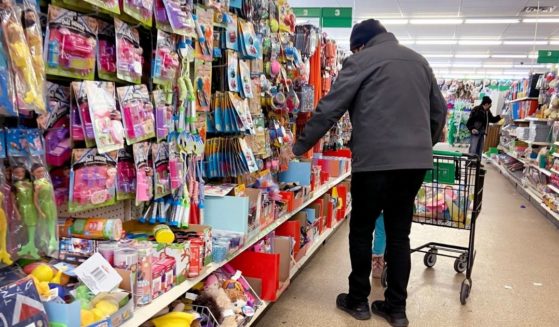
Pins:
x: 128, y: 53
x: 144, y: 172
x: 107, y: 124
x: 79, y: 95
x: 140, y: 10
x: 137, y: 112
x: 164, y: 111
x: 165, y: 63
x: 108, y: 5
x: 126, y: 175
x: 34, y: 37
x: 7, y: 91
x: 143, y: 294
x: 29, y: 94
x: 106, y: 51
x: 70, y: 46
x: 93, y: 228
x: 180, y: 17
x: 92, y: 179
x: 160, y: 155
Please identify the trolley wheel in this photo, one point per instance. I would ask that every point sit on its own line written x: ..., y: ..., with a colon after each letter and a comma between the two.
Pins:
x: 465, y: 291
x: 383, y: 277
x: 461, y: 263
x: 430, y: 258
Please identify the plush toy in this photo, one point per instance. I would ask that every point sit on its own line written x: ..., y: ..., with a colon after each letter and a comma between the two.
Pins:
x: 551, y: 110
x: 218, y: 294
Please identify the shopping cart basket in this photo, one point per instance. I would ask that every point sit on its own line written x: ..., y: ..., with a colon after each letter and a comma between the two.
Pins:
x: 450, y: 197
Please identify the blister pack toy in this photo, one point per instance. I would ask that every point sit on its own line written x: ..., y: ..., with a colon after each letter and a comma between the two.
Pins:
x: 58, y: 105
x: 125, y: 175
x: 202, y: 84
x: 107, y: 123
x: 128, y: 53
x: 162, y: 22
x: 28, y: 91
x: 140, y: 10
x: 58, y: 145
x: 245, y: 82
x: 106, y: 51
x: 76, y: 126
x: 176, y: 164
x: 160, y: 155
x: 144, y: 172
x: 232, y: 71
x: 92, y: 179
x: 180, y: 16
x: 203, y: 21
x: 166, y: 60
x: 108, y: 5
x: 137, y: 113
x: 232, y: 33
x: 71, y: 41
x: 34, y: 37
x: 250, y: 44
x: 80, y: 99
x: 164, y: 112
x: 7, y: 95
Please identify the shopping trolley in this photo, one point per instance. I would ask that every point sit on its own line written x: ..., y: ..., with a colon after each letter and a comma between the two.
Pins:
x: 451, y: 197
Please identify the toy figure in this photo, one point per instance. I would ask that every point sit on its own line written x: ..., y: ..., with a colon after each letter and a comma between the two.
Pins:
x: 43, y: 198
x: 4, y: 255
x: 22, y: 64
x: 24, y: 198
x: 35, y: 42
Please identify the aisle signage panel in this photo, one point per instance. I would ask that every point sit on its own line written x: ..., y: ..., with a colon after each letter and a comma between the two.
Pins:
x: 548, y: 57
x: 329, y: 17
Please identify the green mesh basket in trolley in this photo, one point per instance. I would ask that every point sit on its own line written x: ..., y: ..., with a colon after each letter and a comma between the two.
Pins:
x: 444, y: 167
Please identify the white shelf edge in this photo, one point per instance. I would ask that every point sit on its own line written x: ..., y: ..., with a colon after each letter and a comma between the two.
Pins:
x: 554, y: 171
x: 143, y: 314
x: 556, y: 154
x: 551, y: 212
x: 522, y: 99
x: 553, y: 188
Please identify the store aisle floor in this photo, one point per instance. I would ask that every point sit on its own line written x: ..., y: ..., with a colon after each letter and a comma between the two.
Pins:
x: 515, y: 278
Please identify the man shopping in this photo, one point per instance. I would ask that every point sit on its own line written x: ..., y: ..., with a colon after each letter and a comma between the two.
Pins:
x: 398, y: 113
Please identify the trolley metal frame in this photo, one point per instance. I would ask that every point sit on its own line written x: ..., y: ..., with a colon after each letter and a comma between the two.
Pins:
x: 453, y: 171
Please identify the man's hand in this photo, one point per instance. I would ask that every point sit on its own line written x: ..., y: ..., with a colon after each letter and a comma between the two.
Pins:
x: 475, y: 131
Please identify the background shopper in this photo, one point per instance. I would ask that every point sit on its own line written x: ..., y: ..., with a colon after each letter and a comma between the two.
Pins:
x: 480, y: 117
x: 397, y: 112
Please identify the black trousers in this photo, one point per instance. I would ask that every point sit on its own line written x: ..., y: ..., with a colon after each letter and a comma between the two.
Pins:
x: 394, y: 193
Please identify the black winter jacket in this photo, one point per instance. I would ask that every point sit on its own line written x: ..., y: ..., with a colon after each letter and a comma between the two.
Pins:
x: 480, y: 118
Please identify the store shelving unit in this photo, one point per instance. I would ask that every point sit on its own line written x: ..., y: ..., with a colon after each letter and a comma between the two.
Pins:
x: 522, y: 99
x: 143, y: 314
x: 301, y: 263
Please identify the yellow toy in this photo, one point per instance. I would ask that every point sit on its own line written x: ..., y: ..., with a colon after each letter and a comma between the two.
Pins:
x: 176, y: 318
x: 4, y: 255
x: 43, y: 273
x: 22, y: 64
x: 35, y: 42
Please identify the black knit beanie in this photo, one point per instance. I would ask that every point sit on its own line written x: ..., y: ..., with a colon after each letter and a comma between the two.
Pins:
x: 364, y: 31
x: 486, y: 100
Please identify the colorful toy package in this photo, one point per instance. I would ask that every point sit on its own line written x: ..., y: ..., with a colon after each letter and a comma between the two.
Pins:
x: 137, y: 112
x: 164, y: 111
x: 71, y: 41
x: 107, y: 124
x: 80, y: 97
x: 166, y: 60
x: 108, y: 5
x: 203, y: 84
x: 144, y: 172
x: 160, y: 14
x: 128, y: 53
x: 180, y: 16
x: 92, y: 179
x: 232, y: 71
x: 106, y: 51
x: 28, y: 91
x: 232, y: 35
x: 160, y: 155
x: 140, y: 10
x: 204, y: 32
x: 126, y: 175
x: 34, y: 37
x: 58, y: 105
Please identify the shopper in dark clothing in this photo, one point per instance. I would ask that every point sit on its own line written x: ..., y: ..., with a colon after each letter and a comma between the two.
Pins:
x: 480, y: 117
x: 398, y: 113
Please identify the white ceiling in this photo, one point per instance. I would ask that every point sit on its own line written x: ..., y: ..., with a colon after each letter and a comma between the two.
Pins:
x: 458, y: 59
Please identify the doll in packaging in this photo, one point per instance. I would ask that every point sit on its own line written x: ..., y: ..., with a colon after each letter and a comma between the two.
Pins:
x: 43, y: 198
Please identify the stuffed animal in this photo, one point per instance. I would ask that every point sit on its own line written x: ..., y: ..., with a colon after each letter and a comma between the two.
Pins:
x: 213, y: 289
x: 551, y: 110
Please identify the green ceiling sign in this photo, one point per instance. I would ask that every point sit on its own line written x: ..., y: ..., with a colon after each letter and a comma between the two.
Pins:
x: 329, y: 17
x: 548, y: 57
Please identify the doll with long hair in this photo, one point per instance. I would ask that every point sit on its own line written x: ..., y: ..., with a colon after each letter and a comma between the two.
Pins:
x: 43, y: 198
x: 26, y: 207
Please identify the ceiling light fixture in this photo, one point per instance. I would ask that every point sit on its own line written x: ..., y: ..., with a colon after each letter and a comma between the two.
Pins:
x: 528, y: 66
x: 509, y: 56
x: 480, y: 42
x: 540, y: 20
x: 394, y: 21
x: 407, y: 42
x: 525, y: 42
x: 554, y: 42
x: 472, y: 56
x: 466, y: 65
x: 533, y: 56
x: 496, y: 66
x: 492, y: 21
x: 435, y: 21
x: 436, y: 42
x: 438, y: 56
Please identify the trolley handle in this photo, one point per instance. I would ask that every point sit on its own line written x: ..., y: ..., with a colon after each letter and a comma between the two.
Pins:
x: 447, y: 153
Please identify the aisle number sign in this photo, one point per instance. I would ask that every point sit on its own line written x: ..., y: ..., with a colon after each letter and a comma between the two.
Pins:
x: 548, y: 57
x: 329, y: 17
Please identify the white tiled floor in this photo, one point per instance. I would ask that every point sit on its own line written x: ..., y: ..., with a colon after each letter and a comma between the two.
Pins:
x: 515, y: 278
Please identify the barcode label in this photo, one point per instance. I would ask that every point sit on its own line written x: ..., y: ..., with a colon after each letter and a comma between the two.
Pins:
x: 99, y: 274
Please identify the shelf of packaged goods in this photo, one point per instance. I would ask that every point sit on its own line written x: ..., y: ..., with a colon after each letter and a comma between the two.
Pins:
x: 553, y: 188
x: 554, y: 171
x: 521, y: 121
x: 297, y: 267
x: 143, y: 314
x: 522, y: 99
x: 538, y: 119
x: 536, y: 143
x: 512, y: 155
x: 542, y: 170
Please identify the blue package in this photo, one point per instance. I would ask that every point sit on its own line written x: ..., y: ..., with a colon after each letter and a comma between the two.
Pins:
x: 7, y: 108
x: 2, y: 144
